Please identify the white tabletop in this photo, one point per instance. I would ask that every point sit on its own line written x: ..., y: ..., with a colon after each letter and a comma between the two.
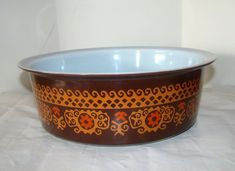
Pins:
x: 208, y: 145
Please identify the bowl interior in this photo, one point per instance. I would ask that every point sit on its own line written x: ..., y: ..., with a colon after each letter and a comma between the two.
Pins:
x: 117, y: 61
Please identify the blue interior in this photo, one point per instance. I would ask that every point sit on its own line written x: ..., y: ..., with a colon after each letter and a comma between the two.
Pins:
x: 114, y: 60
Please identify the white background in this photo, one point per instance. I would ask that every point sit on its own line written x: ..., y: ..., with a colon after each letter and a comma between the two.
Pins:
x: 30, y: 27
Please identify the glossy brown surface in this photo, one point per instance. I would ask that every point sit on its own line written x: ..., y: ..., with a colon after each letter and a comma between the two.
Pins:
x: 118, y: 110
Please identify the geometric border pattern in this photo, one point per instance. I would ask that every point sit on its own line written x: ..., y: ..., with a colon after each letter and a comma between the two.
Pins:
x: 120, y: 99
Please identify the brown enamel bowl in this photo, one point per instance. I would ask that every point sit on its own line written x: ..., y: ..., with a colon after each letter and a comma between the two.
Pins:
x: 118, y: 95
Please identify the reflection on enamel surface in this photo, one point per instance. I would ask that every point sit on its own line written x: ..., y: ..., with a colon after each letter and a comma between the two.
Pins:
x: 137, y: 58
x: 190, y: 62
x: 116, y: 58
x: 62, y: 65
x: 158, y: 58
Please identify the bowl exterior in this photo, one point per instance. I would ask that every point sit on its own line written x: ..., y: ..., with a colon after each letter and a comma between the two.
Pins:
x: 120, y: 110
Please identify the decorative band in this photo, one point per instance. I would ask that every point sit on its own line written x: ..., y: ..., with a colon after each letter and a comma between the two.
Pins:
x: 146, y: 120
x: 120, y: 99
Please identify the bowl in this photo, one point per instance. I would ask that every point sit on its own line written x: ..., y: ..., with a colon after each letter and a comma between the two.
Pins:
x: 121, y: 95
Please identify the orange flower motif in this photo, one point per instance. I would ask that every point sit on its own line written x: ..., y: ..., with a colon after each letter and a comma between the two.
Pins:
x: 86, y: 121
x: 182, y: 105
x: 154, y: 118
x: 56, y: 111
x: 120, y: 116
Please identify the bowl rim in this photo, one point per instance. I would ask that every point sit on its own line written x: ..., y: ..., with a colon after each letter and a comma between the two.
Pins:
x: 210, y: 59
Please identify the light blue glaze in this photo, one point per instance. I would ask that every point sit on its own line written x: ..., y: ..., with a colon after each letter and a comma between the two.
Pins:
x: 117, y: 60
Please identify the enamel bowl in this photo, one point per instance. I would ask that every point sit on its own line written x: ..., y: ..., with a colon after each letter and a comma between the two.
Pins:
x: 118, y: 95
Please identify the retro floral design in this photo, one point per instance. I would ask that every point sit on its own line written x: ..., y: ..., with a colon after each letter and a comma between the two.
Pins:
x: 58, y: 119
x: 87, y: 122
x: 181, y: 114
x: 144, y: 120
x: 118, y: 112
x: 120, y: 123
x: 152, y: 119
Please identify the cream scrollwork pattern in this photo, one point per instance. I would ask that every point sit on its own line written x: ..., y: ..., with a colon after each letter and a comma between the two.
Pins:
x: 151, y: 119
x: 87, y: 122
x: 58, y: 118
x: 120, y: 124
x: 143, y: 120
x: 180, y: 115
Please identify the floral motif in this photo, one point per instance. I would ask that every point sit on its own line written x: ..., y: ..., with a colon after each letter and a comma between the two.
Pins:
x: 191, y: 108
x: 56, y: 111
x: 180, y: 115
x: 120, y: 124
x: 58, y: 120
x: 94, y: 122
x: 86, y: 121
x: 120, y: 116
x: 153, y: 119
